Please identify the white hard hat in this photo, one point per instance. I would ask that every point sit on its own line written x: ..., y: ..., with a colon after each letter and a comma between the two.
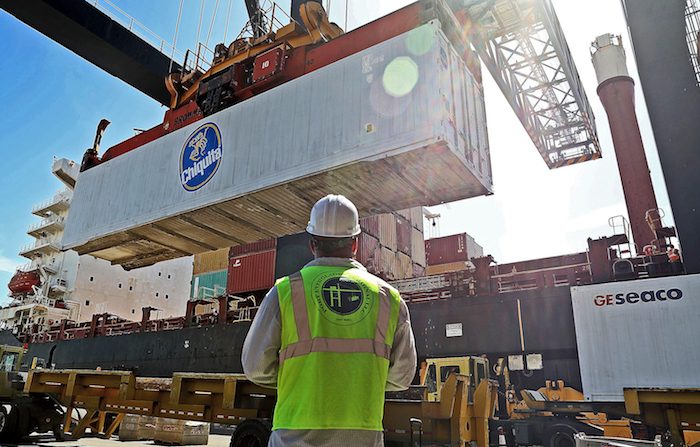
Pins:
x: 334, y: 216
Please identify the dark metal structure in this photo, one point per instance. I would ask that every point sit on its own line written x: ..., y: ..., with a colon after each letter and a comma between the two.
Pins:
x: 659, y: 39
x: 94, y: 36
x: 524, y: 322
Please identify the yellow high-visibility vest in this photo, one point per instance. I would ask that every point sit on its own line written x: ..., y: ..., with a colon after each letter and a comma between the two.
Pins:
x: 338, y: 326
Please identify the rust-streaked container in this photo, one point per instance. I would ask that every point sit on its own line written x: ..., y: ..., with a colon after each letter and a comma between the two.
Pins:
x: 367, y: 249
x: 370, y: 225
x: 448, y: 249
x: 253, y: 247
x: 403, y: 235
x: 387, y: 231
x: 251, y: 272
x: 445, y: 268
x: 210, y: 261
x: 418, y: 247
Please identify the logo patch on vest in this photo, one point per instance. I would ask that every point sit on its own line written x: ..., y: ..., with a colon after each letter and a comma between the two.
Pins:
x: 342, y: 300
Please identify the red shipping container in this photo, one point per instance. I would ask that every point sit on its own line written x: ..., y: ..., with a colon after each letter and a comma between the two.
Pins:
x: 370, y: 225
x: 253, y: 247
x: 251, y: 272
x: 448, y: 249
x: 403, y: 235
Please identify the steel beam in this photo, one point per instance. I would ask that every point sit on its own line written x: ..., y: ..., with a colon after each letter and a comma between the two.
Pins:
x: 93, y: 35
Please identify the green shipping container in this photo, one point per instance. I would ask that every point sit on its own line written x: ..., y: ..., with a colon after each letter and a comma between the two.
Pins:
x: 208, y: 285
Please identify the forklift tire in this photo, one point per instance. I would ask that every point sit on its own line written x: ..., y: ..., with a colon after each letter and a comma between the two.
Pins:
x: 560, y: 436
x: 17, y: 423
x: 4, y: 423
x: 252, y: 433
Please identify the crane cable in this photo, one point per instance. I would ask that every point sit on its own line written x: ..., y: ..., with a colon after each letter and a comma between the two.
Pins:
x: 199, y: 25
x: 177, y: 30
x: 211, y: 24
x: 228, y: 15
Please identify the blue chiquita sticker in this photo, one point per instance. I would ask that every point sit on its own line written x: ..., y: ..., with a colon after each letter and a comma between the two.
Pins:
x: 201, y: 156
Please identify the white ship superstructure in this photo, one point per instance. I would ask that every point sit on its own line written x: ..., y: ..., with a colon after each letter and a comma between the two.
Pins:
x: 56, y: 285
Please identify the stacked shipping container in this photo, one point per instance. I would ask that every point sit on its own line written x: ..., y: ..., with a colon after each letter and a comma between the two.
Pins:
x: 450, y: 253
x: 209, y: 274
x: 391, y: 246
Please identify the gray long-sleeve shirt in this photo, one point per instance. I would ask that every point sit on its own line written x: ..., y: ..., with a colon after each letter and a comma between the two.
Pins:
x: 260, y: 360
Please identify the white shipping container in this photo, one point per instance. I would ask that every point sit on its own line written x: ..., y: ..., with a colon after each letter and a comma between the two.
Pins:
x: 390, y: 127
x: 637, y: 334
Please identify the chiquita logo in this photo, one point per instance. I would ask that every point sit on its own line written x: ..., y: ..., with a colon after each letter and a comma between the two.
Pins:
x: 201, y: 157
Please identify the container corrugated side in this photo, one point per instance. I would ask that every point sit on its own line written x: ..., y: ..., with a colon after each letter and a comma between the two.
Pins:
x: 253, y: 247
x: 249, y: 273
x: 446, y: 249
x: 417, y: 217
x: 211, y: 261
x: 637, y: 334
x: 367, y: 250
x: 418, y: 247
x: 389, y: 266
x: 335, y: 129
x: 403, y: 235
x: 387, y: 231
x: 370, y: 225
x: 405, y: 266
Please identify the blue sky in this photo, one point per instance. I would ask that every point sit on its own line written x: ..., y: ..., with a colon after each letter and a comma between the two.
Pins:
x: 53, y: 100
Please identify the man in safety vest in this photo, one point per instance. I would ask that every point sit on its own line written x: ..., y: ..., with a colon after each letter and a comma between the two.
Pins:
x: 332, y: 339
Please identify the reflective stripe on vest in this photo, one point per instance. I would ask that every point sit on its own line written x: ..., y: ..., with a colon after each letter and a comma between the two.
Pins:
x: 306, y: 345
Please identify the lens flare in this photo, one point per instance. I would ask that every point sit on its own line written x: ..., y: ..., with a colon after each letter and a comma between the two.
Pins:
x: 420, y: 40
x: 400, y: 76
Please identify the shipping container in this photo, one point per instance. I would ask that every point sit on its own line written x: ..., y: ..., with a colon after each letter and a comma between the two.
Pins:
x: 252, y: 272
x: 208, y: 285
x: 375, y: 126
x: 448, y: 249
x: 406, y: 214
x: 405, y: 266
x: 417, y: 217
x: 418, y: 247
x: 418, y: 270
x: 403, y: 235
x: 368, y: 252
x: 637, y: 334
x: 474, y: 250
x: 210, y: 261
x: 293, y: 253
x: 389, y: 266
x: 370, y: 225
x: 445, y: 268
x: 387, y: 231
x: 253, y: 247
